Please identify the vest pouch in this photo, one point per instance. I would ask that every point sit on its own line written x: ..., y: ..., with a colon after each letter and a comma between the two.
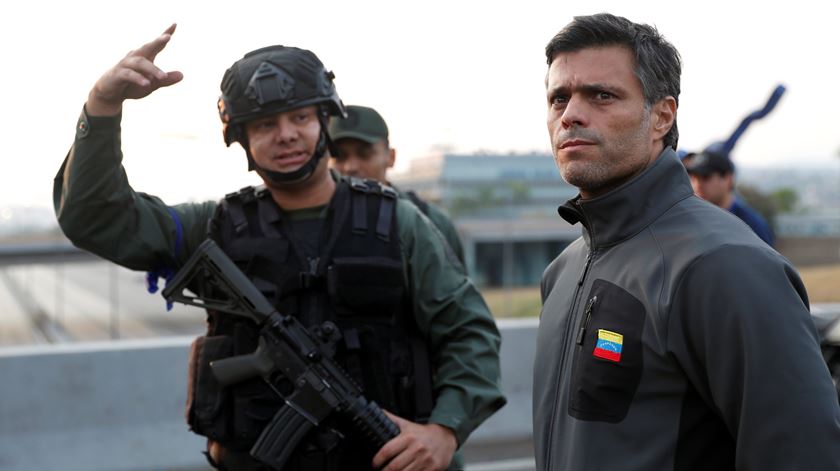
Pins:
x: 247, y: 250
x: 264, y: 260
x: 206, y: 398
x: 365, y: 286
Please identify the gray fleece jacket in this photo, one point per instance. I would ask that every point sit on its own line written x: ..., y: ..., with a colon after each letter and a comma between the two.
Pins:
x: 672, y: 338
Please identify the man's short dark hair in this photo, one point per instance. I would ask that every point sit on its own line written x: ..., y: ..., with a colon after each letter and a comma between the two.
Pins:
x: 657, y: 61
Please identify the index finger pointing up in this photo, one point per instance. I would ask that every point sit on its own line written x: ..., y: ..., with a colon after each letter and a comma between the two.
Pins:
x: 151, y: 49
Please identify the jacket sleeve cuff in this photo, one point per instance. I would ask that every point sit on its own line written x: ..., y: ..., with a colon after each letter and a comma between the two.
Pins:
x: 93, y: 124
x: 450, y: 412
x: 453, y: 422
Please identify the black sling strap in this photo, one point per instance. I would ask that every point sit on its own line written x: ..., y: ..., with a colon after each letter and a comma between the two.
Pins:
x: 421, y: 205
x: 360, y: 191
x: 386, y: 209
x: 236, y: 209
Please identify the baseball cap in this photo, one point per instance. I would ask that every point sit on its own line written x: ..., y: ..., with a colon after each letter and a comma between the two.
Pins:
x: 707, y: 163
x: 361, y: 123
x: 685, y: 154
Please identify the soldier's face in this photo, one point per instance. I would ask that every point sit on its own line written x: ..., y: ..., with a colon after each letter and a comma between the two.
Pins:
x: 602, y: 133
x: 714, y: 188
x: 358, y: 158
x: 284, y: 142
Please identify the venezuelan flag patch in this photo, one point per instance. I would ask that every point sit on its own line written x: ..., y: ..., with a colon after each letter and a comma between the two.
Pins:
x: 609, y: 345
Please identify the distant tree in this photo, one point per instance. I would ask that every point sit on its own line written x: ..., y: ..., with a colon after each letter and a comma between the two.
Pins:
x: 759, y: 201
x: 486, y: 196
x: 785, y: 199
x: 463, y: 205
x: 469, y: 204
x: 520, y: 191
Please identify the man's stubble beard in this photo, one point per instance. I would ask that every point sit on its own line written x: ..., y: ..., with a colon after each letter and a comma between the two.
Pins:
x: 593, y: 175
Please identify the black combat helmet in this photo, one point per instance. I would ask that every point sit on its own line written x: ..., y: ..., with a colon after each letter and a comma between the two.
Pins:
x: 273, y: 80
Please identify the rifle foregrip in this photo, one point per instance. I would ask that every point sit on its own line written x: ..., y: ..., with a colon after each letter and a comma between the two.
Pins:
x: 375, y: 425
x: 280, y: 438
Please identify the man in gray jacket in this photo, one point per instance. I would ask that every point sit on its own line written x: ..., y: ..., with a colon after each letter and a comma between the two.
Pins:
x: 670, y: 337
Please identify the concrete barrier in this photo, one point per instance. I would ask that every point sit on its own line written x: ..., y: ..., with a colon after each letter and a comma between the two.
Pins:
x: 513, y: 422
x: 118, y: 406
x: 96, y: 406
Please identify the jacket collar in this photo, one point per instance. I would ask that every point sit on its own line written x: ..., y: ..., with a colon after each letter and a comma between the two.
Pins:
x: 630, y: 208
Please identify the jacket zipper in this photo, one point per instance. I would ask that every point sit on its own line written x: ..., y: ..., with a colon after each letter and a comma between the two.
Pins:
x: 585, y: 269
x: 569, y: 322
x: 587, y: 316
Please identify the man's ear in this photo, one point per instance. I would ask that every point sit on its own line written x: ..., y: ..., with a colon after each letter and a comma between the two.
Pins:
x: 392, y: 157
x: 730, y: 180
x: 662, y: 117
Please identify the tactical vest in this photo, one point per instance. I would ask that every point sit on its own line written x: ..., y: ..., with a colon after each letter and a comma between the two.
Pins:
x: 357, y: 281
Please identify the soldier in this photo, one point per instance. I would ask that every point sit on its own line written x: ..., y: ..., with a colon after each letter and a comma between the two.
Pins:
x: 417, y: 335
x: 365, y: 151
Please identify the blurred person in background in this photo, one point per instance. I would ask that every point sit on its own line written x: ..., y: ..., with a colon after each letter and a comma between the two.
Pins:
x: 364, y: 151
x: 713, y: 179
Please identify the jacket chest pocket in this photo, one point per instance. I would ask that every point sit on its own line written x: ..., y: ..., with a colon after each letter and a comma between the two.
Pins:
x: 608, y: 355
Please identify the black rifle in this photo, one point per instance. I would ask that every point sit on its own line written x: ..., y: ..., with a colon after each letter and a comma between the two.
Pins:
x: 295, y: 362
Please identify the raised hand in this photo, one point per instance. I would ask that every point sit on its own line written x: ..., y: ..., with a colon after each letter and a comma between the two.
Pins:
x: 134, y: 77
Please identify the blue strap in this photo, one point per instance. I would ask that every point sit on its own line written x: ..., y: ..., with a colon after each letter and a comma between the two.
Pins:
x: 167, y: 273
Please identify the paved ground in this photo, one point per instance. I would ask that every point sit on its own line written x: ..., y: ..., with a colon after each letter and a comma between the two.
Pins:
x: 500, y: 456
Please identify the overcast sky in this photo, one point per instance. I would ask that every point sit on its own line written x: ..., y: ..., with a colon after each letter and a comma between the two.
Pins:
x: 465, y: 75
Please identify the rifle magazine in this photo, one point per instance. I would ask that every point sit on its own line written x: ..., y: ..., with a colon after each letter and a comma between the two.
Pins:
x: 280, y: 438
